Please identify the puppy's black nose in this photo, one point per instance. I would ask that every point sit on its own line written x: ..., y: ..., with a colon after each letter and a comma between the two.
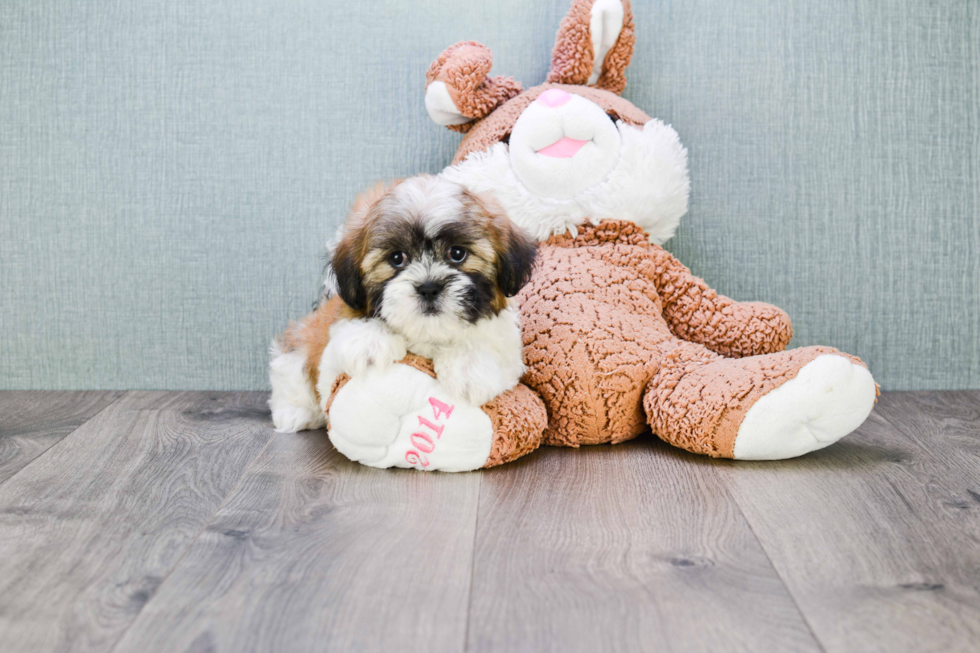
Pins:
x: 430, y: 290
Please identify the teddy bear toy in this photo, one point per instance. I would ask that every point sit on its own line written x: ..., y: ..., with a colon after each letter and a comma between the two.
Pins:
x: 619, y: 337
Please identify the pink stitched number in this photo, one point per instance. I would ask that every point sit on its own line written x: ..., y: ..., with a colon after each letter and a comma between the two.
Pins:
x: 419, y: 458
x: 424, y: 442
x: 436, y: 428
x: 439, y: 408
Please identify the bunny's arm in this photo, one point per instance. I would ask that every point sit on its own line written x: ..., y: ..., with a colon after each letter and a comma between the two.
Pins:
x: 696, y: 313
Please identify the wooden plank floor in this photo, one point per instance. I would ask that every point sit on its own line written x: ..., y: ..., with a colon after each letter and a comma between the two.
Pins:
x: 156, y: 522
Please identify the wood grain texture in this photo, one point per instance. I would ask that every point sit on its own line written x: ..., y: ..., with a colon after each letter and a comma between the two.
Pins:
x: 878, y: 550
x: 90, y: 530
x: 945, y: 424
x: 32, y: 422
x: 316, y: 553
x: 180, y: 522
x: 633, y: 547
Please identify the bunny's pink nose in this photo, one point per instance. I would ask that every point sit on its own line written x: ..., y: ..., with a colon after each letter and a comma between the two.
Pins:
x: 554, y: 97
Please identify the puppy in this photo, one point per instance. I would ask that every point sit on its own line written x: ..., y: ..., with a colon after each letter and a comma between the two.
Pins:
x: 423, y: 266
x: 427, y: 267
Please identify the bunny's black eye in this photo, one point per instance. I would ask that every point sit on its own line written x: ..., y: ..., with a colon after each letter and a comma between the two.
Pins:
x: 398, y: 260
x: 457, y: 254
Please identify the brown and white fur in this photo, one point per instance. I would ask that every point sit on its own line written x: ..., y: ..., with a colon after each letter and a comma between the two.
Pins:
x: 422, y: 266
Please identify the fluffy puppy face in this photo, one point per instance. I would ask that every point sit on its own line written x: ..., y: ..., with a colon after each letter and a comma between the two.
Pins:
x: 429, y: 257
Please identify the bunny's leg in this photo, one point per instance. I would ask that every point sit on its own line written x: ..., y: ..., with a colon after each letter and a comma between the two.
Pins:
x: 767, y: 407
x: 401, y: 417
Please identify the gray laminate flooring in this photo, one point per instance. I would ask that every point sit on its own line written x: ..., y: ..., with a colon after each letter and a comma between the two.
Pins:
x: 153, y: 522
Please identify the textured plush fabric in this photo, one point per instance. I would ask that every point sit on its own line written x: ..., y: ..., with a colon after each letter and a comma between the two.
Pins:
x: 463, y: 68
x: 696, y: 313
x: 519, y: 420
x: 602, y: 318
x: 573, y: 56
x: 171, y: 171
x: 697, y: 399
x: 591, y: 319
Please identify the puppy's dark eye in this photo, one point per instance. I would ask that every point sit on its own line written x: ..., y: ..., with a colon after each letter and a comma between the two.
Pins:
x: 457, y: 254
x: 398, y: 260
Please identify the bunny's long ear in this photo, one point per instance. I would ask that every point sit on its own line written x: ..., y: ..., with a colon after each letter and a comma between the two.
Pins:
x: 457, y: 89
x: 594, y: 45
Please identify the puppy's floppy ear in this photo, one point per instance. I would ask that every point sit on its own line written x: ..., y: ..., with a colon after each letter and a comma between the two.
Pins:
x: 346, y: 264
x: 346, y: 258
x: 516, y: 251
x: 516, y: 262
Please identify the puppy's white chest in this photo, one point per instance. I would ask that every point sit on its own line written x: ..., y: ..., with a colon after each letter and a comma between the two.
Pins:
x: 424, y: 349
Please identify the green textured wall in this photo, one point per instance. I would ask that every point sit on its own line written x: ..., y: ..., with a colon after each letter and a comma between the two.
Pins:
x: 170, y: 171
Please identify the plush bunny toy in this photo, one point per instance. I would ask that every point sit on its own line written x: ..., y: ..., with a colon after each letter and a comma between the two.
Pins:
x: 619, y: 336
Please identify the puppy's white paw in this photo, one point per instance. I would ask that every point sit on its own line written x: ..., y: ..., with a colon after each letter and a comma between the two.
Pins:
x: 473, y: 377
x: 359, y: 344
x: 293, y: 403
x: 290, y: 419
x: 828, y: 398
x: 402, y: 417
x: 355, y: 347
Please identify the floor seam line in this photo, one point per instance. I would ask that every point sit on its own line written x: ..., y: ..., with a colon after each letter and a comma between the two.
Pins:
x: 469, y: 598
x: 67, y: 435
x: 913, y: 441
x: 772, y: 565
